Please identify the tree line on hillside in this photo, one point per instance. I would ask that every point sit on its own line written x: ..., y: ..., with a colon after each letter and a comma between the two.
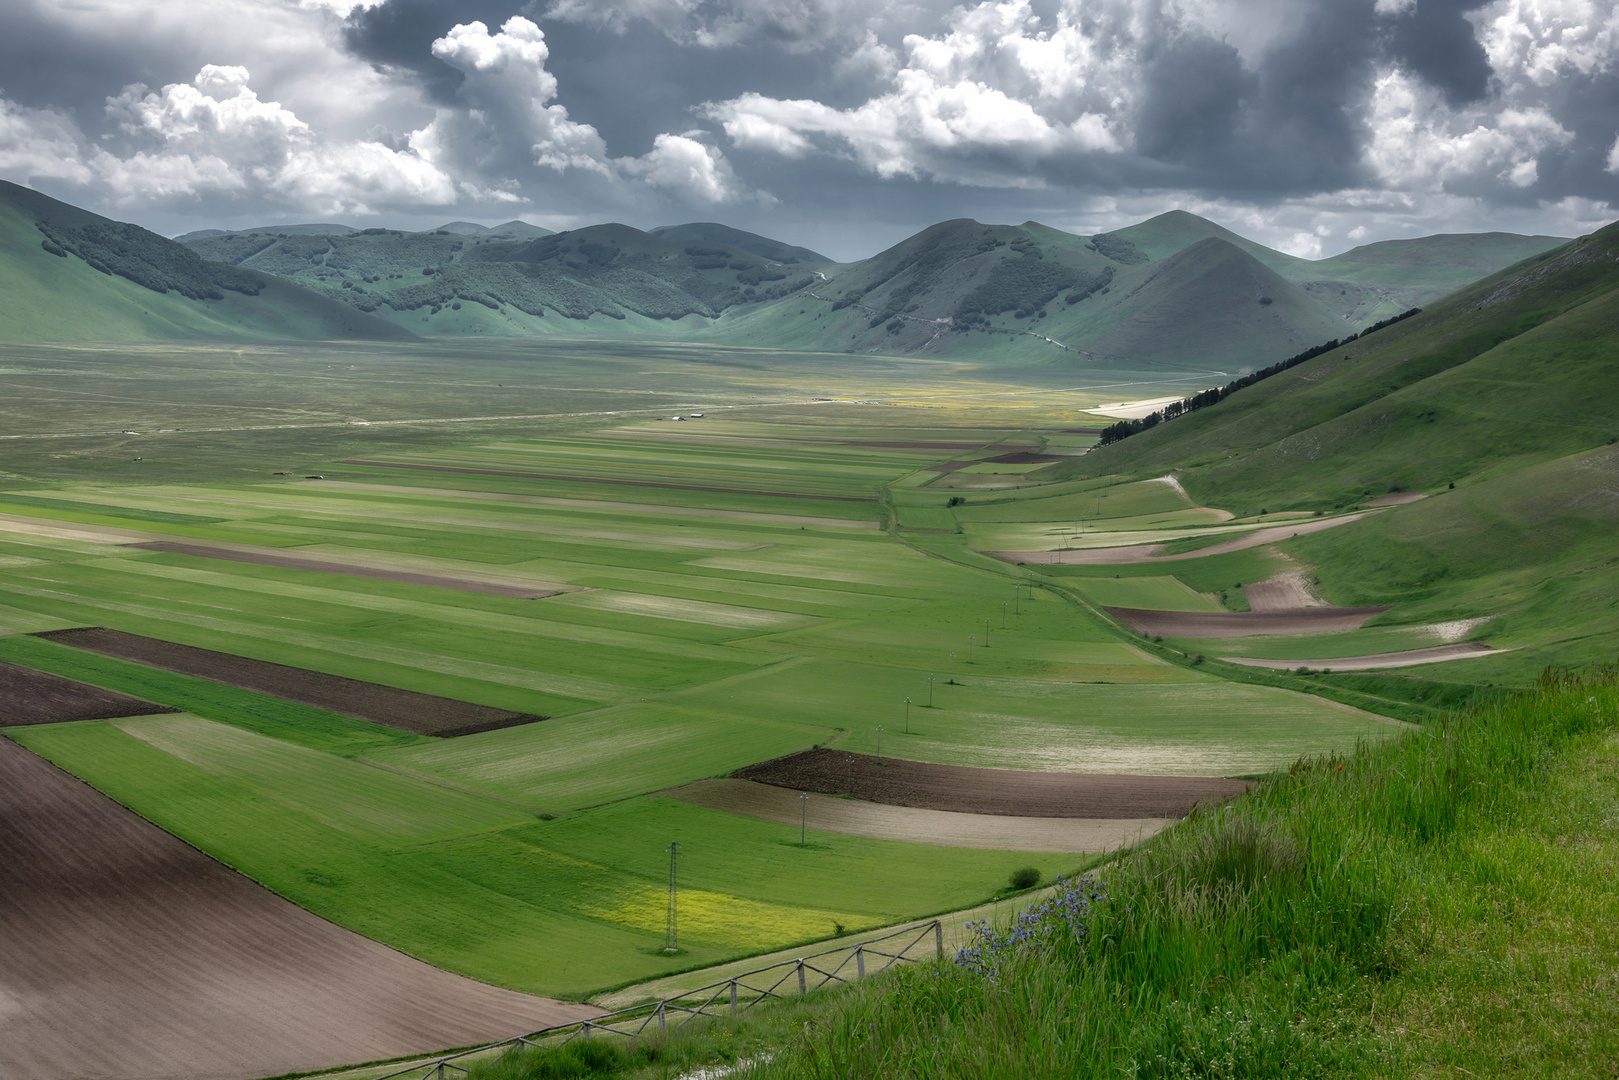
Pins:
x: 1213, y: 396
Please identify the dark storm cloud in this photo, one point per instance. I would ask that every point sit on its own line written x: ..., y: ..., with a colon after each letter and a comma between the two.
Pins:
x: 1434, y: 41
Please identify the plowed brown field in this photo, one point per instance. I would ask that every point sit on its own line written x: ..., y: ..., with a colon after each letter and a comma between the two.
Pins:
x: 913, y: 825
x: 38, y: 697
x: 125, y: 953
x: 968, y: 790
x: 406, y: 710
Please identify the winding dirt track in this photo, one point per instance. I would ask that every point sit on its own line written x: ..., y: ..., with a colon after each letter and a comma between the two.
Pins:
x: 945, y: 828
x: 405, y: 710
x: 1148, y: 553
x: 1373, y: 662
x: 38, y: 697
x: 1010, y: 792
x: 127, y: 955
x: 1224, y: 624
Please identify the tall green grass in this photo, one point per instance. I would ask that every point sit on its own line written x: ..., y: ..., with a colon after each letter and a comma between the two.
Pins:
x: 1249, y: 942
x: 1292, y: 933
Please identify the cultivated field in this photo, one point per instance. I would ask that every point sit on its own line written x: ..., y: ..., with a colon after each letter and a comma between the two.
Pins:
x: 677, y: 600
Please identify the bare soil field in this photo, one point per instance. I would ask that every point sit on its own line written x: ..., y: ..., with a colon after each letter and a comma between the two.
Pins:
x: 608, y: 480
x: 1410, y: 658
x: 1224, y: 624
x: 1025, y: 457
x: 405, y: 710
x: 1284, y: 592
x: 38, y: 697
x: 1144, y: 553
x: 270, y: 557
x: 127, y: 954
x: 914, y: 825
x: 1008, y: 792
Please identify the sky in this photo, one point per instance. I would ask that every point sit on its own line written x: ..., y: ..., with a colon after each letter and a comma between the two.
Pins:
x: 841, y: 125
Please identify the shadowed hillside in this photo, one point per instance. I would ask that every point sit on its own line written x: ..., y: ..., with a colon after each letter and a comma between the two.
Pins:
x: 69, y: 275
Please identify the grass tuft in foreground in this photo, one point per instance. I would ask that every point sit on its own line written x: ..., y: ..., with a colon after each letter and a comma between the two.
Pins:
x: 1432, y: 905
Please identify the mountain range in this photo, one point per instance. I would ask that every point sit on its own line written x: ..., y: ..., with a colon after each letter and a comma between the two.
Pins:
x: 1175, y: 290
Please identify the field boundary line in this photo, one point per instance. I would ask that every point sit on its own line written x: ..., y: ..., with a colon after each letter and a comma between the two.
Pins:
x: 781, y: 981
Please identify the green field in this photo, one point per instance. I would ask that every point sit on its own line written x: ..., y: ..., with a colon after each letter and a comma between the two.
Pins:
x: 767, y: 579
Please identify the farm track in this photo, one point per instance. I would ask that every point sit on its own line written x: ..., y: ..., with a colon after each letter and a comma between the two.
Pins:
x: 1374, y: 661
x: 464, y: 470
x: 1226, y: 624
x: 125, y: 953
x: 1150, y: 553
x: 914, y: 825
x: 1010, y: 792
x: 38, y: 697
x: 268, y: 557
x: 403, y: 710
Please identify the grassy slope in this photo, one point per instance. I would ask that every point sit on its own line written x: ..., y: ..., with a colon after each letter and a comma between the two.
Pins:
x: 51, y: 298
x: 1502, y: 390
x: 1430, y: 907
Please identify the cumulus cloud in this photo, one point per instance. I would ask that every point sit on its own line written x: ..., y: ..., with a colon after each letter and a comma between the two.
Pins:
x: 681, y: 164
x: 508, y: 94
x: 793, y: 24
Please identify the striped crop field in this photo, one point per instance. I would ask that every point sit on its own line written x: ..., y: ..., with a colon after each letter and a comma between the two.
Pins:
x: 677, y: 601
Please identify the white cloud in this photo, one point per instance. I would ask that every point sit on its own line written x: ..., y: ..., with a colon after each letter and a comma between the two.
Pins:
x: 980, y: 104
x: 41, y: 144
x: 681, y: 164
x: 1420, y: 142
x: 1541, y: 41
x: 1613, y: 157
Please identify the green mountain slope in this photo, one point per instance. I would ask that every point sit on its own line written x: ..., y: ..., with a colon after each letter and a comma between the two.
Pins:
x: 1176, y: 290
x: 444, y: 282
x: 1495, y: 403
x: 1514, y: 370
x: 763, y: 246
x: 70, y: 275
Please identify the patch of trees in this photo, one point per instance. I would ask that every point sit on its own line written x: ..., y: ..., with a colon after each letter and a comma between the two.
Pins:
x: 151, y: 261
x: 1125, y: 428
x: 1024, y: 286
x: 1090, y: 285
x: 1118, y: 249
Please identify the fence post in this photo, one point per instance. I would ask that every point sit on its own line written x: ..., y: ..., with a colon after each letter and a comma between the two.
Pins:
x: 860, y: 961
x: 733, y: 997
x: 662, y: 1024
x: 801, y: 990
x: 938, y: 940
x: 586, y: 1028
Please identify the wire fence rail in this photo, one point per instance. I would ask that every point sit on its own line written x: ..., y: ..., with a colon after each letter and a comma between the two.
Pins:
x: 781, y: 981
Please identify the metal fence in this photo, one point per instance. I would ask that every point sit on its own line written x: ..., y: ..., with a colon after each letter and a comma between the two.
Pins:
x: 780, y: 982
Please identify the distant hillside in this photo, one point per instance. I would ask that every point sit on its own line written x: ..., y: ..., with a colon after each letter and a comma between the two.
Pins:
x: 708, y: 231
x: 328, y: 229
x: 1177, y: 290
x: 1512, y: 370
x: 69, y: 275
x: 605, y: 279
x: 1493, y: 407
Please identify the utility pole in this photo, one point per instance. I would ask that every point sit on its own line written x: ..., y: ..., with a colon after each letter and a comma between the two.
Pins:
x: 880, y: 728
x: 986, y: 633
x: 803, y: 816
x: 1017, y: 594
x: 953, y: 669
x: 671, y: 933
x: 930, y: 700
x: 1003, y: 614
